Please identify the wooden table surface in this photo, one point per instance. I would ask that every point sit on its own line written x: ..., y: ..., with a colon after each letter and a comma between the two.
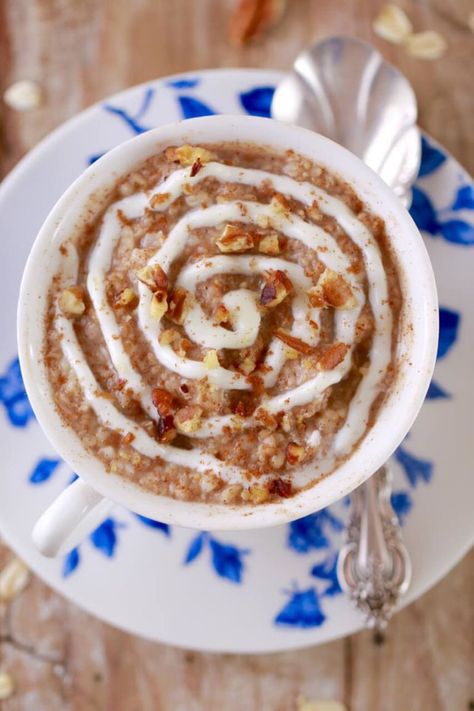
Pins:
x: 61, y: 658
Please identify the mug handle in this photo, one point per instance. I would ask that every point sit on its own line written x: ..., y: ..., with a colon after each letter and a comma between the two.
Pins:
x: 76, y: 512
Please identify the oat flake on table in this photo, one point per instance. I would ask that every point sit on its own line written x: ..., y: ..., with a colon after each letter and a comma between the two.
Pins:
x: 14, y: 577
x: 23, y: 95
x: 392, y: 24
x: 7, y: 686
x: 426, y: 45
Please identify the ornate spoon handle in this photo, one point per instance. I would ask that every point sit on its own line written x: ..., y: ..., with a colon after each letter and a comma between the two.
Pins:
x: 373, y: 566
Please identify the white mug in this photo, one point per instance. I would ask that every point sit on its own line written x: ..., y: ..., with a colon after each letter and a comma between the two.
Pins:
x: 82, y: 505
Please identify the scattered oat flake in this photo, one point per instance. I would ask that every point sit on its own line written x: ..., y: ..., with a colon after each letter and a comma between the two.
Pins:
x: 14, y: 578
x: 307, y: 705
x: 7, y: 686
x: 426, y: 45
x: 23, y: 95
x: 392, y: 24
x: 252, y: 18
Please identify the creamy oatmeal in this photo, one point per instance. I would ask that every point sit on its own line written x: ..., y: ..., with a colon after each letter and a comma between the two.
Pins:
x: 226, y: 329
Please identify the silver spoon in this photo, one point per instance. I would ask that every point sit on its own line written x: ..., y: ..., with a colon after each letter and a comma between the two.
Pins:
x: 343, y: 89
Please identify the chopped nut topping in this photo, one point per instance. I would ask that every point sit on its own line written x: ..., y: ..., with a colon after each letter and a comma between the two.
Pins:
x: 188, y: 419
x: 71, y: 301
x: 128, y: 438
x: 179, y: 303
x: 187, y: 155
x: 158, y: 305
x: 153, y: 277
x: 281, y: 487
x: 196, y: 167
x: 162, y: 400
x: 296, y: 343
x: 280, y: 204
x: 265, y: 418
x: 335, y: 290
x: 392, y: 24
x: 169, y: 336
x: 165, y: 428
x: 221, y: 315
x: 126, y: 297
x: 211, y: 360
x: 159, y: 199
x: 270, y: 244
x: 248, y: 364
x: 231, y: 493
x: 332, y: 355
x: 235, y: 239
x: 315, y: 297
x: 294, y: 453
x: 258, y: 494
x: 277, y: 286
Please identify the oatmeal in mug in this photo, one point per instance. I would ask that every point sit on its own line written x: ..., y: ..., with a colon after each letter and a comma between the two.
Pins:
x: 226, y: 329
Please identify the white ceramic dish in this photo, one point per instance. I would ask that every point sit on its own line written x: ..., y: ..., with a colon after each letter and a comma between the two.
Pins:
x: 271, y: 589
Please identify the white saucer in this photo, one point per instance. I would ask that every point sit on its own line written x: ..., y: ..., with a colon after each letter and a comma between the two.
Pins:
x: 260, y: 590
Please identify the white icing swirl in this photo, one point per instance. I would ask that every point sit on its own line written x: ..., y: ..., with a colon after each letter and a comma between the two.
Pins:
x: 244, y: 311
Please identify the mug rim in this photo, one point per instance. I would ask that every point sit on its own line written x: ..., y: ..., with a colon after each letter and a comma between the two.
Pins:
x: 401, y: 405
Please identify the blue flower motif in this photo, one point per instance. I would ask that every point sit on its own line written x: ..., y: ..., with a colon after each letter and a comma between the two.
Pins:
x: 431, y: 158
x: 104, y: 538
x: 302, y: 610
x: 327, y: 570
x: 436, y: 392
x: 258, y: 101
x: 154, y: 524
x: 415, y: 469
x: 310, y: 533
x: 226, y: 559
x: 133, y: 121
x: 464, y: 198
x: 192, y: 108
x: 96, y: 156
x: 457, y: 231
x: 402, y: 504
x: 183, y: 83
x: 449, y: 321
x: 43, y: 470
x: 13, y: 395
x: 71, y: 561
x: 423, y: 212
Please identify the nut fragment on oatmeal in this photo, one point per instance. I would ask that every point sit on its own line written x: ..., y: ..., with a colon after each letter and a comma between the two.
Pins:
x: 188, y: 419
x: 179, y: 303
x: 235, y: 238
x: 158, y: 305
x: 159, y: 199
x: 294, y: 453
x: 332, y: 355
x: 276, y: 287
x: 221, y: 315
x: 153, y: 277
x: 14, y: 578
x: 126, y: 297
x: 336, y: 291
x: 296, y: 343
x: 426, y: 45
x: 71, y: 301
x: 169, y: 336
x: 258, y: 494
x: 392, y: 24
x: 163, y: 401
x: 248, y: 363
x: 196, y: 167
x: 280, y: 204
x: 211, y: 360
x: 281, y: 487
x: 270, y: 244
x: 265, y: 418
x: 187, y: 155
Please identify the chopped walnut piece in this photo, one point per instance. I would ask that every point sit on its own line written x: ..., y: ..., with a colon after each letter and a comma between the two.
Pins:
x: 266, y: 419
x: 158, y: 305
x: 165, y: 428
x: 71, y: 301
x: 128, y: 438
x: 296, y: 343
x: 211, y: 360
x: 221, y: 315
x: 231, y: 493
x: 276, y: 288
x: 280, y: 204
x: 270, y: 244
x: 153, y: 277
x: 294, y: 452
x: 159, y: 199
x: 335, y: 290
x: 188, y: 419
x: 179, y: 303
x: 332, y: 355
x: 169, y: 336
x: 163, y: 401
x: 235, y: 238
x: 127, y: 297
x: 187, y: 155
x: 248, y: 364
x: 258, y: 494
x: 196, y: 167
x: 281, y: 487
x: 252, y: 18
